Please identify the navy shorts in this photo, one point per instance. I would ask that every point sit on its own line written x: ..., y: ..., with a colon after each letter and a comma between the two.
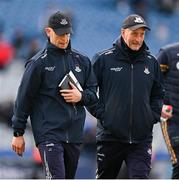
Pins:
x: 60, y: 160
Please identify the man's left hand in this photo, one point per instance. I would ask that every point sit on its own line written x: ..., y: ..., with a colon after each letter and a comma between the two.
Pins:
x: 71, y: 95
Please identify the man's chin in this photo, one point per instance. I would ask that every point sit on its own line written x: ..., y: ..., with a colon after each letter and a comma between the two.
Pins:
x: 62, y: 46
x: 135, y: 48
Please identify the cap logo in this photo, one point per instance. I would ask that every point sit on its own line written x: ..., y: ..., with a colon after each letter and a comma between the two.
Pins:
x: 63, y: 22
x: 138, y: 20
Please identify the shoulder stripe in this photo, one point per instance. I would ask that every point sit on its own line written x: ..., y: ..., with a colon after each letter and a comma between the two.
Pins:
x: 108, y: 51
x: 43, y: 55
x: 40, y: 55
x: 79, y: 53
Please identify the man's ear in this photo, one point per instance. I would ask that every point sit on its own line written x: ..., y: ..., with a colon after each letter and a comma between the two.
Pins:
x: 122, y: 32
x: 47, y: 31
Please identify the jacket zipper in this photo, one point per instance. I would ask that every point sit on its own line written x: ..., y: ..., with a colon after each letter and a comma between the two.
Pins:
x: 74, y: 106
x: 65, y: 70
x: 131, y: 105
x: 67, y: 134
x: 64, y: 65
x: 67, y: 137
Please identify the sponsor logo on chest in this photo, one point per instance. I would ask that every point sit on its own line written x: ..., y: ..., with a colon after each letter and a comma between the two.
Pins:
x: 50, y: 68
x: 116, y: 69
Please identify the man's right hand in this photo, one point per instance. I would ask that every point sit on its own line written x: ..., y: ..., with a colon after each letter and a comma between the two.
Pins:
x: 166, y: 111
x: 18, y: 145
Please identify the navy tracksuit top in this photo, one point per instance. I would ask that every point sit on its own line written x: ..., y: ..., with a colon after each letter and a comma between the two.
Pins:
x: 38, y: 95
x: 130, y: 94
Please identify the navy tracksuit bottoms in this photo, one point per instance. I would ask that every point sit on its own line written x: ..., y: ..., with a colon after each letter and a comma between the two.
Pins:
x: 60, y: 160
x: 110, y: 156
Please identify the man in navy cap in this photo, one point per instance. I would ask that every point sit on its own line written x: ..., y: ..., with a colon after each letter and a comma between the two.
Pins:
x: 130, y: 102
x: 57, y: 115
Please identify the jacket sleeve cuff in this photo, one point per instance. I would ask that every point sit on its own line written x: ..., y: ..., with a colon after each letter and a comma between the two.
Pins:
x: 18, y: 123
x: 18, y: 132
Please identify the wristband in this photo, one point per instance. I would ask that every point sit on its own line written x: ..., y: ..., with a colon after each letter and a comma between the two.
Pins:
x: 17, y: 134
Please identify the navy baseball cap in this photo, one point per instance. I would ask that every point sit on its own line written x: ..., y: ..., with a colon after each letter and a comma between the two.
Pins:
x: 60, y: 23
x: 133, y: 22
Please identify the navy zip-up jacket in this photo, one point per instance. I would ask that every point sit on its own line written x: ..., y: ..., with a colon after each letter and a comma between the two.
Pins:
x: 130, y: 94
x: 168, y: 58
x: 38, y: 96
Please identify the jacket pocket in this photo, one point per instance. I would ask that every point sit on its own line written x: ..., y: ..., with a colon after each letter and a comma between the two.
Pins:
x: 149, y: 116
x: 116, y: 120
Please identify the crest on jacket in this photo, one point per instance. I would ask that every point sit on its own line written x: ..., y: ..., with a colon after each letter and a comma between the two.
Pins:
x: 77, y: 68
x: 146, y: 70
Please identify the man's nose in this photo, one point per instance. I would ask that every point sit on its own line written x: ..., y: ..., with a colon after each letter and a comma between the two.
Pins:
x: 139, y: 38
